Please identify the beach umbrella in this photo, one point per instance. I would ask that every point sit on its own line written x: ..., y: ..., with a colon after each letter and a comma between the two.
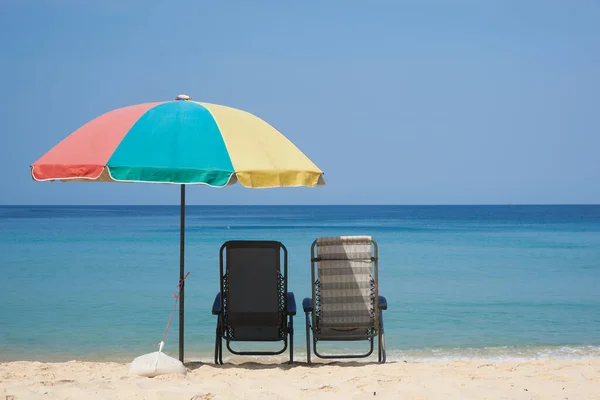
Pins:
x: 180, y: 142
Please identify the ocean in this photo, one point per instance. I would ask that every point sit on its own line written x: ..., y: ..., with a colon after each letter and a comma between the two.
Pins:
x: 462, y: 282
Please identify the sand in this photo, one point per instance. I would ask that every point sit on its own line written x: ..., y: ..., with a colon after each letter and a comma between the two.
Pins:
x: 395, y: 380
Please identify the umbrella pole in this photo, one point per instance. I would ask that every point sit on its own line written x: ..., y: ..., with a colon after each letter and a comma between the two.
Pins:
x: 181, y: 270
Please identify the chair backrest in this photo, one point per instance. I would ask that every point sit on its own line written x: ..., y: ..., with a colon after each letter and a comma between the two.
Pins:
x: 345, y: 283
x: 253, y: 289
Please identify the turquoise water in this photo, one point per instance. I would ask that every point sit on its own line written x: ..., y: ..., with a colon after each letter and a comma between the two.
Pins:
x: 484, y: 282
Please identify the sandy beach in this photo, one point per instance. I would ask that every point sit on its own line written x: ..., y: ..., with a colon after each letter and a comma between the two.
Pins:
x: 407, y: 380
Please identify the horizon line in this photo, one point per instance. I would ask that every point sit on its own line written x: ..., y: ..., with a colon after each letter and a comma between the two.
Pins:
x: 304, y: 205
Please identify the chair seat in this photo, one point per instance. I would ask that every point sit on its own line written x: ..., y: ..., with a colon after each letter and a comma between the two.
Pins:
x: 256, y: 334
x: 343, y: 334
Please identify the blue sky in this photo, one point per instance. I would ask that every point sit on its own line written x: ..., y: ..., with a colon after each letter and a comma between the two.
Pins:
x: 399, y: 102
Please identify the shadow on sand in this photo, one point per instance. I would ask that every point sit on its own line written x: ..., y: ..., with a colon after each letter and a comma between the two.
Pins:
x: 252, y: 365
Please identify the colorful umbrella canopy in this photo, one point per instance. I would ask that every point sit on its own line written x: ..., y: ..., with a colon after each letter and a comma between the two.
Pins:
x: 182, y: 142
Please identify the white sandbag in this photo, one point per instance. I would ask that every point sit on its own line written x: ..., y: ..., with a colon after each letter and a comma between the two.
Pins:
x: 157, y: 363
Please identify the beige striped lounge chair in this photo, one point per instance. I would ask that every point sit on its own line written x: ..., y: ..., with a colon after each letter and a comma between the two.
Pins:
x: 345, y: 303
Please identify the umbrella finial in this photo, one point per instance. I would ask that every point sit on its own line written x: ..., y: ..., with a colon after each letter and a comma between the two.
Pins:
x: 183, y: 97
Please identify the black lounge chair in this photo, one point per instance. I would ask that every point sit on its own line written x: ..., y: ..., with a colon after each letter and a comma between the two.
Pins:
x: 253, y: 304
x: 345, y: 303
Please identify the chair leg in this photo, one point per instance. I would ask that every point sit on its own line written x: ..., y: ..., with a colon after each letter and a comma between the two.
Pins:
x: 291, y: 330
x: 217, y: 337
x: 221, y: 351
x: 382, y: 354
x: 220, y: 340
x: 307, y: 338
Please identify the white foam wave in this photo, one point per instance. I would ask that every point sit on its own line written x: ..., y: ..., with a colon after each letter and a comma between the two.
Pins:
x: 485, y: 354
x: 498, y: 354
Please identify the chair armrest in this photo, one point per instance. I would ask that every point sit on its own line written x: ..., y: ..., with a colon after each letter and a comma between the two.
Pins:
x: 382, y: 303
x: 307, y: 304
x: 291, y: 304
x: 216, y: 309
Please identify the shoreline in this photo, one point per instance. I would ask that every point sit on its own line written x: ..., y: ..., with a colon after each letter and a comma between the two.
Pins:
x: 329, y: 380
x: 569, y: 353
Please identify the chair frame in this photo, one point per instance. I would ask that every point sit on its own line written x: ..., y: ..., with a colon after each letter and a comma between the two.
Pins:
x: 289, y: 307
x: 380, y: 304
